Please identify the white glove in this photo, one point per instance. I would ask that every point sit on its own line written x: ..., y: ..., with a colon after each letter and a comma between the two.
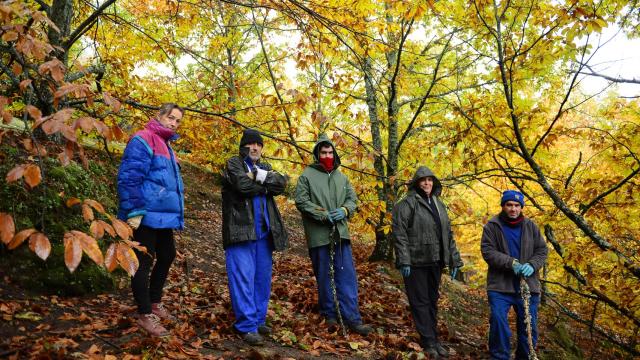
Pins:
x: 134, y: 222
x: 261, y: 175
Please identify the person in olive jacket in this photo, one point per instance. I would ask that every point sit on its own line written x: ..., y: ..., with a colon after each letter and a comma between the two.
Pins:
x: 326, y: 200
x: 424, y: 245
x: 513, y: 247
x: 251, y: 229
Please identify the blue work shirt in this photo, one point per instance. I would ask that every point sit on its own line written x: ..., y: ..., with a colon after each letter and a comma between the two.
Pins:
x: 260, y: 213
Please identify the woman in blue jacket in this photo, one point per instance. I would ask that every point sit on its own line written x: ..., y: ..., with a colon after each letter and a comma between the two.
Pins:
x: 151, y: 196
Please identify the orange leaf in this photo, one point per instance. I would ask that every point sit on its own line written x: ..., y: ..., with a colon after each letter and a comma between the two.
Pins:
x: 127, y: 259
x: 110, y: 258
x: 15, y: 173
x: 39, y: 244
x: 94, y: 204
x: 85, y: 123
x: 32, y: 175
x: 108, y: 228
x: 20, y: 238
x: 73, y: 201
x: 96, y: 229
x: 34, y: 112
x: 122, y: 229
x: 87, y: 213
x: 23, y: 84
x: 7, y: 228
x: 72, y: 251
x: 90, y: 247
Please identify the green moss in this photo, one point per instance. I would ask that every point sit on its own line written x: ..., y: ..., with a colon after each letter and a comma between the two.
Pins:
x: 44, y: 209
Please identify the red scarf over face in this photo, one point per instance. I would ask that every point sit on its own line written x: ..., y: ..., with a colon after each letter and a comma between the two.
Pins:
x: 327, y: 163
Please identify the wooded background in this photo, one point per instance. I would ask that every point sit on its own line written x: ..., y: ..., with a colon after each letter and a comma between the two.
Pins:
x: 487, y: 94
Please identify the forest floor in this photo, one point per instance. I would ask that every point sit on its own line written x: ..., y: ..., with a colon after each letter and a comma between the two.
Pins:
x: 103, y: 326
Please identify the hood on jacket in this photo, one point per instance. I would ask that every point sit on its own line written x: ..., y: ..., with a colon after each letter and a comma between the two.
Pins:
x: 323, y: 139
x: 424, y: 171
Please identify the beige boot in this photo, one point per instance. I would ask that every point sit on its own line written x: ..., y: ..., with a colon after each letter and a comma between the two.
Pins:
x: 151, y: 323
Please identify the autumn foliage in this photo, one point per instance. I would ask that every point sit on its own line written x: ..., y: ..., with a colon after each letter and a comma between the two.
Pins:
x: 490, y: 95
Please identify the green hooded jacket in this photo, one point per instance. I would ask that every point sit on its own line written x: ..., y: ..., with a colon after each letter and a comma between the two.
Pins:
x: 416, y: 240
x: 318, y: 192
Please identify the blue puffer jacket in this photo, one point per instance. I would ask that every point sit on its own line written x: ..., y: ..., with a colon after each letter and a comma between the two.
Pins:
x: 149, y: 181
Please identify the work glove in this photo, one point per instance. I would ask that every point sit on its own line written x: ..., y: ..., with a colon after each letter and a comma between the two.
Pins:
x: 405, y: 270
x: 527, y: 270
x: 261, y: 175
x: 327, y: 215
x: 516, y: 266
x: 337, y: 214
x: 134, y: 221
x: 454, y: 272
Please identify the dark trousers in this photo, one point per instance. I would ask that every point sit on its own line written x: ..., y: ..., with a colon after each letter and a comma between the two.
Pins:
x: 422, y: 287
x: 345, y: 280
x: 161, y: 248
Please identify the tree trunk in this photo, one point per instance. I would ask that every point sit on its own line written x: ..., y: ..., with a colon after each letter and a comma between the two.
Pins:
x: 61, y: 13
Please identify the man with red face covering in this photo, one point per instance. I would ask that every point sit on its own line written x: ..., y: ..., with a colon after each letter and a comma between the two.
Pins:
x: 326, y: 200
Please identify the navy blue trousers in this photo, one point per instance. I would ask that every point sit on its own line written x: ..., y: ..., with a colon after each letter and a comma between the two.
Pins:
x: 249, y: 266
x: 345, y: 278
x: 499, y: 331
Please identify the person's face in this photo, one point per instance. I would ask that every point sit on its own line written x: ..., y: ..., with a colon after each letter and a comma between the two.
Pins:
x: 171, y: 120
x: 426, y: 184
x: 326, y: 152
x: 255, y: 151
x: 513, y: 209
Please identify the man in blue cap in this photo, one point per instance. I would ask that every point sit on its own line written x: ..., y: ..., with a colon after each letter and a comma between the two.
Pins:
x: 513, y: 248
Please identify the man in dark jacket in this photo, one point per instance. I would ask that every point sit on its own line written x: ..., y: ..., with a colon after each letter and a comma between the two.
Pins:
x: 513, y: 247
x: 424, y: 245
x: 326, y: 200
x: 151, y: 197
x: 251, y: 229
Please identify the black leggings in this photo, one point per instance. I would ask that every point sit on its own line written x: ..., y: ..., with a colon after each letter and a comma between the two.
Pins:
x: 161, y: 247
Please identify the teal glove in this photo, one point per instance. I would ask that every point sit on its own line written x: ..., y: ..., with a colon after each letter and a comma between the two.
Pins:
x: 405, y: 270
x: 327, y: 215
x: 337, y: 214
x: 527, y: 270
x: 517, y: 267
x: 454, y: 272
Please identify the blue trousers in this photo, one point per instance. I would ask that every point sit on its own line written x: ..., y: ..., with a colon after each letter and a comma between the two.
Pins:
x: 249, y: 274
x: 499, y: 331
x: 345, y: 278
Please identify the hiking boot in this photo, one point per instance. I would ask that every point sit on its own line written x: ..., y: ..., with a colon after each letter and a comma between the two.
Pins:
x: 159, y: 310
x: 361, y: 329
x: 442, y: 351
x: 431, y: 351
x: 264, y: 330
x: 253, y: 338
x: 331, y: 322
x: 151, y: 324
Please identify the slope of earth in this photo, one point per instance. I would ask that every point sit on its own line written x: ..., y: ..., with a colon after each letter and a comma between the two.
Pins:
x: 103, y: 327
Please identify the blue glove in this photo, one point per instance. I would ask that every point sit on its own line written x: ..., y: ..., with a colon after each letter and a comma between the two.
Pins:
x: 517, y: 267
x: 337, y: 214
x: 405, y: 270
x: 527, y: 270
x: 454, y: 272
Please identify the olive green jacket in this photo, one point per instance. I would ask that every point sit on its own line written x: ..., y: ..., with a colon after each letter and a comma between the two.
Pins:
x: 318, y: 192
x: 416, y: 240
